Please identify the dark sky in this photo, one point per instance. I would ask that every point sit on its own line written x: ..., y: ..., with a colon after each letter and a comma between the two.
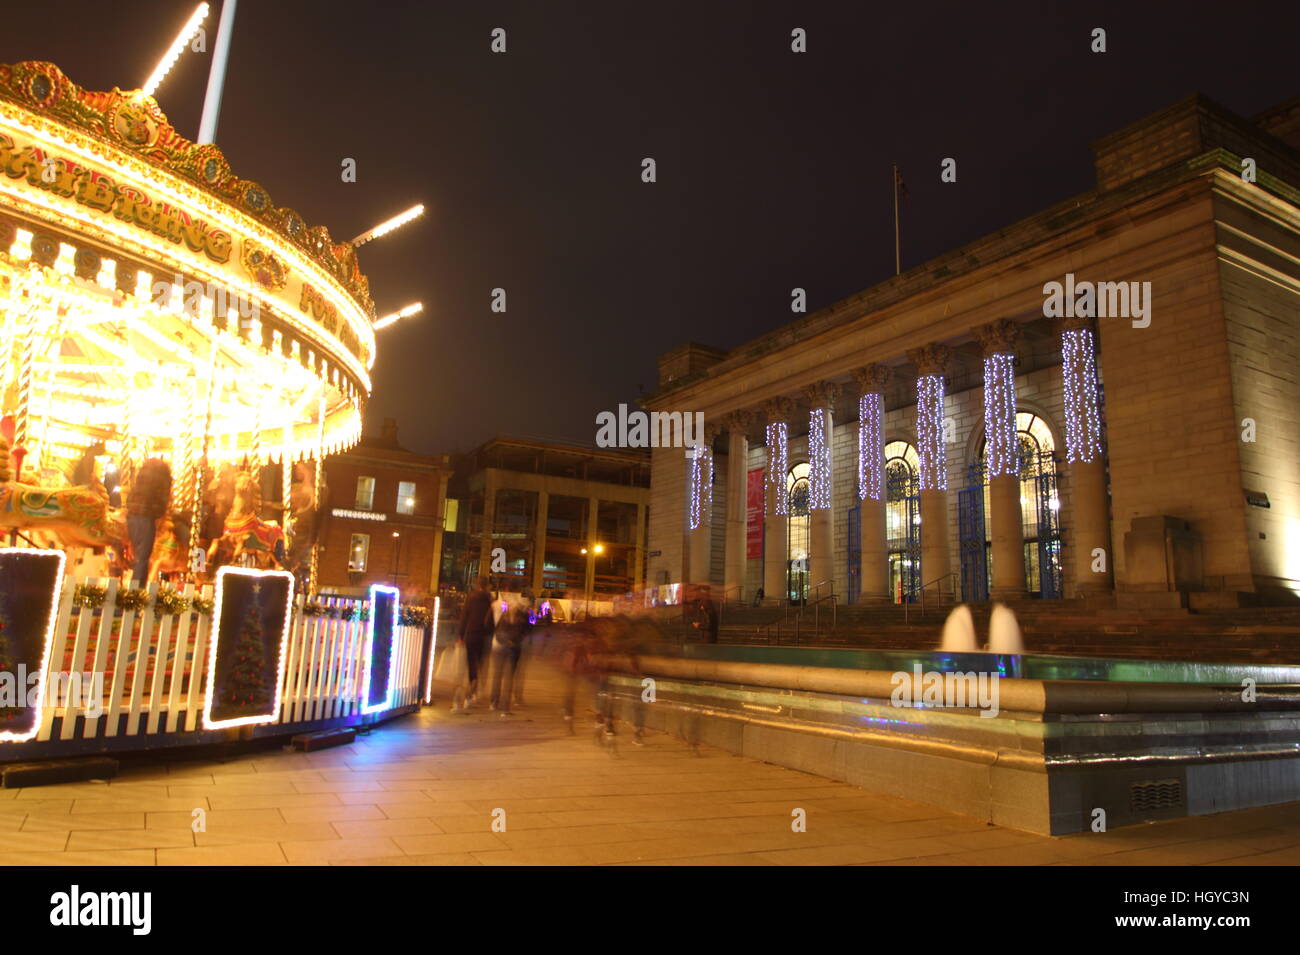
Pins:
x: 773, y: 167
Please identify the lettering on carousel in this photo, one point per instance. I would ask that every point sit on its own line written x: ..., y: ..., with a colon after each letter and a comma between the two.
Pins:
x: 316, y: 305
x: 65, y: 178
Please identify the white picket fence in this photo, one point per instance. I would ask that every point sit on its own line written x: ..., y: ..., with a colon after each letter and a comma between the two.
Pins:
x: 154, y: 666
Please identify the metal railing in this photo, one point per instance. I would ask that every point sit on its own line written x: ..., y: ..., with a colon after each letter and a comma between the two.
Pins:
x: 937, y: 583
x: 774, y: 628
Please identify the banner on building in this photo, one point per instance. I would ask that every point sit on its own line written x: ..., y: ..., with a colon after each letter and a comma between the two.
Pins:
x: 246, y: 657
x: 754, y: 514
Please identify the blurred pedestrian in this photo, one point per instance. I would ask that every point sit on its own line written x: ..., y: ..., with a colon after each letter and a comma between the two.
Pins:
x: 507, y: 645
x: 708, y: 616
x: 146, y: 502
x: 476, y: 625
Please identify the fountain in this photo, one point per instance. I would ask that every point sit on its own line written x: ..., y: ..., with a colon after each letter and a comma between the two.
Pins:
x: 1004, y: 631
x: 959, y: 632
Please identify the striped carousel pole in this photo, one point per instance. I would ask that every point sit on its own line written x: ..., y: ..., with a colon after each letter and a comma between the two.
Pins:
x: 320, y: 467
x: 196, y: 501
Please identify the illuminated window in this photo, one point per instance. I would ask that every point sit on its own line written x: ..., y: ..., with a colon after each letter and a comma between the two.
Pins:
x: 365, y: 493
x: 405, y: 497
x: 359, y: 553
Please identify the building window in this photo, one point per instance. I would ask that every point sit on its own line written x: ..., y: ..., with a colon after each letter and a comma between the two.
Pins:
x: 359, y: 554
x: 405, y: 497
x: 365, y: 493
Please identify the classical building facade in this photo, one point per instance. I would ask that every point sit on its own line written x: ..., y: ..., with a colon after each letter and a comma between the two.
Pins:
x: 1101, y: 399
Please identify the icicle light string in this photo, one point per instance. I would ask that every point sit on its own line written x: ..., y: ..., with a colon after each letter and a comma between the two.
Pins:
x: 871, y: 447
x: 929, y: 433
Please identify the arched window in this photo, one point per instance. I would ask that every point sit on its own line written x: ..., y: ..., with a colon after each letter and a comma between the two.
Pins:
x: 1039, y: 503
x: 902, y: 518
x: 797, y: 531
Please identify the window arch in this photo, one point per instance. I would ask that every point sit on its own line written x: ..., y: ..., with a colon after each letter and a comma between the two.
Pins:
x: 797, y: 530
x: 1037, y: 465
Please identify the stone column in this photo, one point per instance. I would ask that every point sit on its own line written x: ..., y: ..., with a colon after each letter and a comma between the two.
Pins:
x: 539, y: 542
x: 638, y: 561
x: 777, y: 504
x: 699, y: 508
x: 1085, y: 453
x: 871, y: 382
x: 489, y: 519
x: 737, y: 424
x: 931, y: 362
x: 821, y: 492
x: 589, y: 573
x: 1002, y: 454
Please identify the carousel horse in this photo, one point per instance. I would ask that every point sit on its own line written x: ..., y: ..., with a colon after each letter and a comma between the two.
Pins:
x: 75, y: 516
x: 245, y: 535
x: 171, y: 546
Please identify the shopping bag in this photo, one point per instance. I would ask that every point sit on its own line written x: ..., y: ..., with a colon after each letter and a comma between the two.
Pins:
x: 453, y: 665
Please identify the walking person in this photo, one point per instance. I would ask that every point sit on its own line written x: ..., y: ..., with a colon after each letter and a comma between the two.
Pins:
x: 507, y: 645
x: 708, y: 622
x: 146, y: 502
x: 476, y: 626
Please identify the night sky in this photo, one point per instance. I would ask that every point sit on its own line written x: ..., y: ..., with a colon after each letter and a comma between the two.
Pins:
x: 773, y: 167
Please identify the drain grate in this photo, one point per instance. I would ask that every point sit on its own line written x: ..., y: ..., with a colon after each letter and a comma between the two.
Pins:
x: 1156, y: 795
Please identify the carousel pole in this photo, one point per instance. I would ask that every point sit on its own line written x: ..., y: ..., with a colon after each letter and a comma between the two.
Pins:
x: 26, y: 379
x: 286, y: 476
x: 196, y: 522
x: 320, y: 467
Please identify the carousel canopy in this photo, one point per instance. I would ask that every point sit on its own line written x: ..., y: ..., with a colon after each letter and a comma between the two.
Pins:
x: 148, y: 295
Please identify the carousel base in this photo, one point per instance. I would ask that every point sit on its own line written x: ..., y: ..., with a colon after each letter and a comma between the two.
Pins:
x: 217, y: 742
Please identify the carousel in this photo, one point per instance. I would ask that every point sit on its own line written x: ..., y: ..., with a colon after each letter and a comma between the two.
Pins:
x: 179, y: 352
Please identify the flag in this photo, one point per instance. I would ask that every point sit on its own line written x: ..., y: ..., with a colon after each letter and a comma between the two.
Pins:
x: 899, y: 184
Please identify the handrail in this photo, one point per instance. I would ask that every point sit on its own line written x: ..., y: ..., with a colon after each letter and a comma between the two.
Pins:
x: 924, y: 587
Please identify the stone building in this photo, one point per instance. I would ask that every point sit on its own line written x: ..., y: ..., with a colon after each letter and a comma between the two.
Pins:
x: 384, y: 523
x: 563, y: 520
x: 1130, y: 433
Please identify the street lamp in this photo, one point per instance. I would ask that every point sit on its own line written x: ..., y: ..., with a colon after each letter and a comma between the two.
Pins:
x: 591, y: 571
x: 397, y: 554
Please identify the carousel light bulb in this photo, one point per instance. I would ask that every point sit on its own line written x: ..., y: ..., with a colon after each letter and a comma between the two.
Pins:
x: 386, y: 227
x: 64, y: 264
x: 1000, y: 440
x: 413, y: 309
x: 778, y: 463
x: 929, y: 433
x: 871, y: 447
x: 174, y: 51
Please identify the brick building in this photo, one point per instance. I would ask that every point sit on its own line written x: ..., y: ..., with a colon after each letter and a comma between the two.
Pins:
x: 1100, y: 400
x: 566, y: 521
x: 386, y: 509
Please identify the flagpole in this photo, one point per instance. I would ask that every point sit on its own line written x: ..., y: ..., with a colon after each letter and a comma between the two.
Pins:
x: 897, y: 258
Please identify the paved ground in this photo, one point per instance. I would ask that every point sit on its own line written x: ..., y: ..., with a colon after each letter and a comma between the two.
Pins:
x: 422, y: 791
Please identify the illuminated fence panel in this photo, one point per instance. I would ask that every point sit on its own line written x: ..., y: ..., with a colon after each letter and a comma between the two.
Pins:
x: 119, y: 667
